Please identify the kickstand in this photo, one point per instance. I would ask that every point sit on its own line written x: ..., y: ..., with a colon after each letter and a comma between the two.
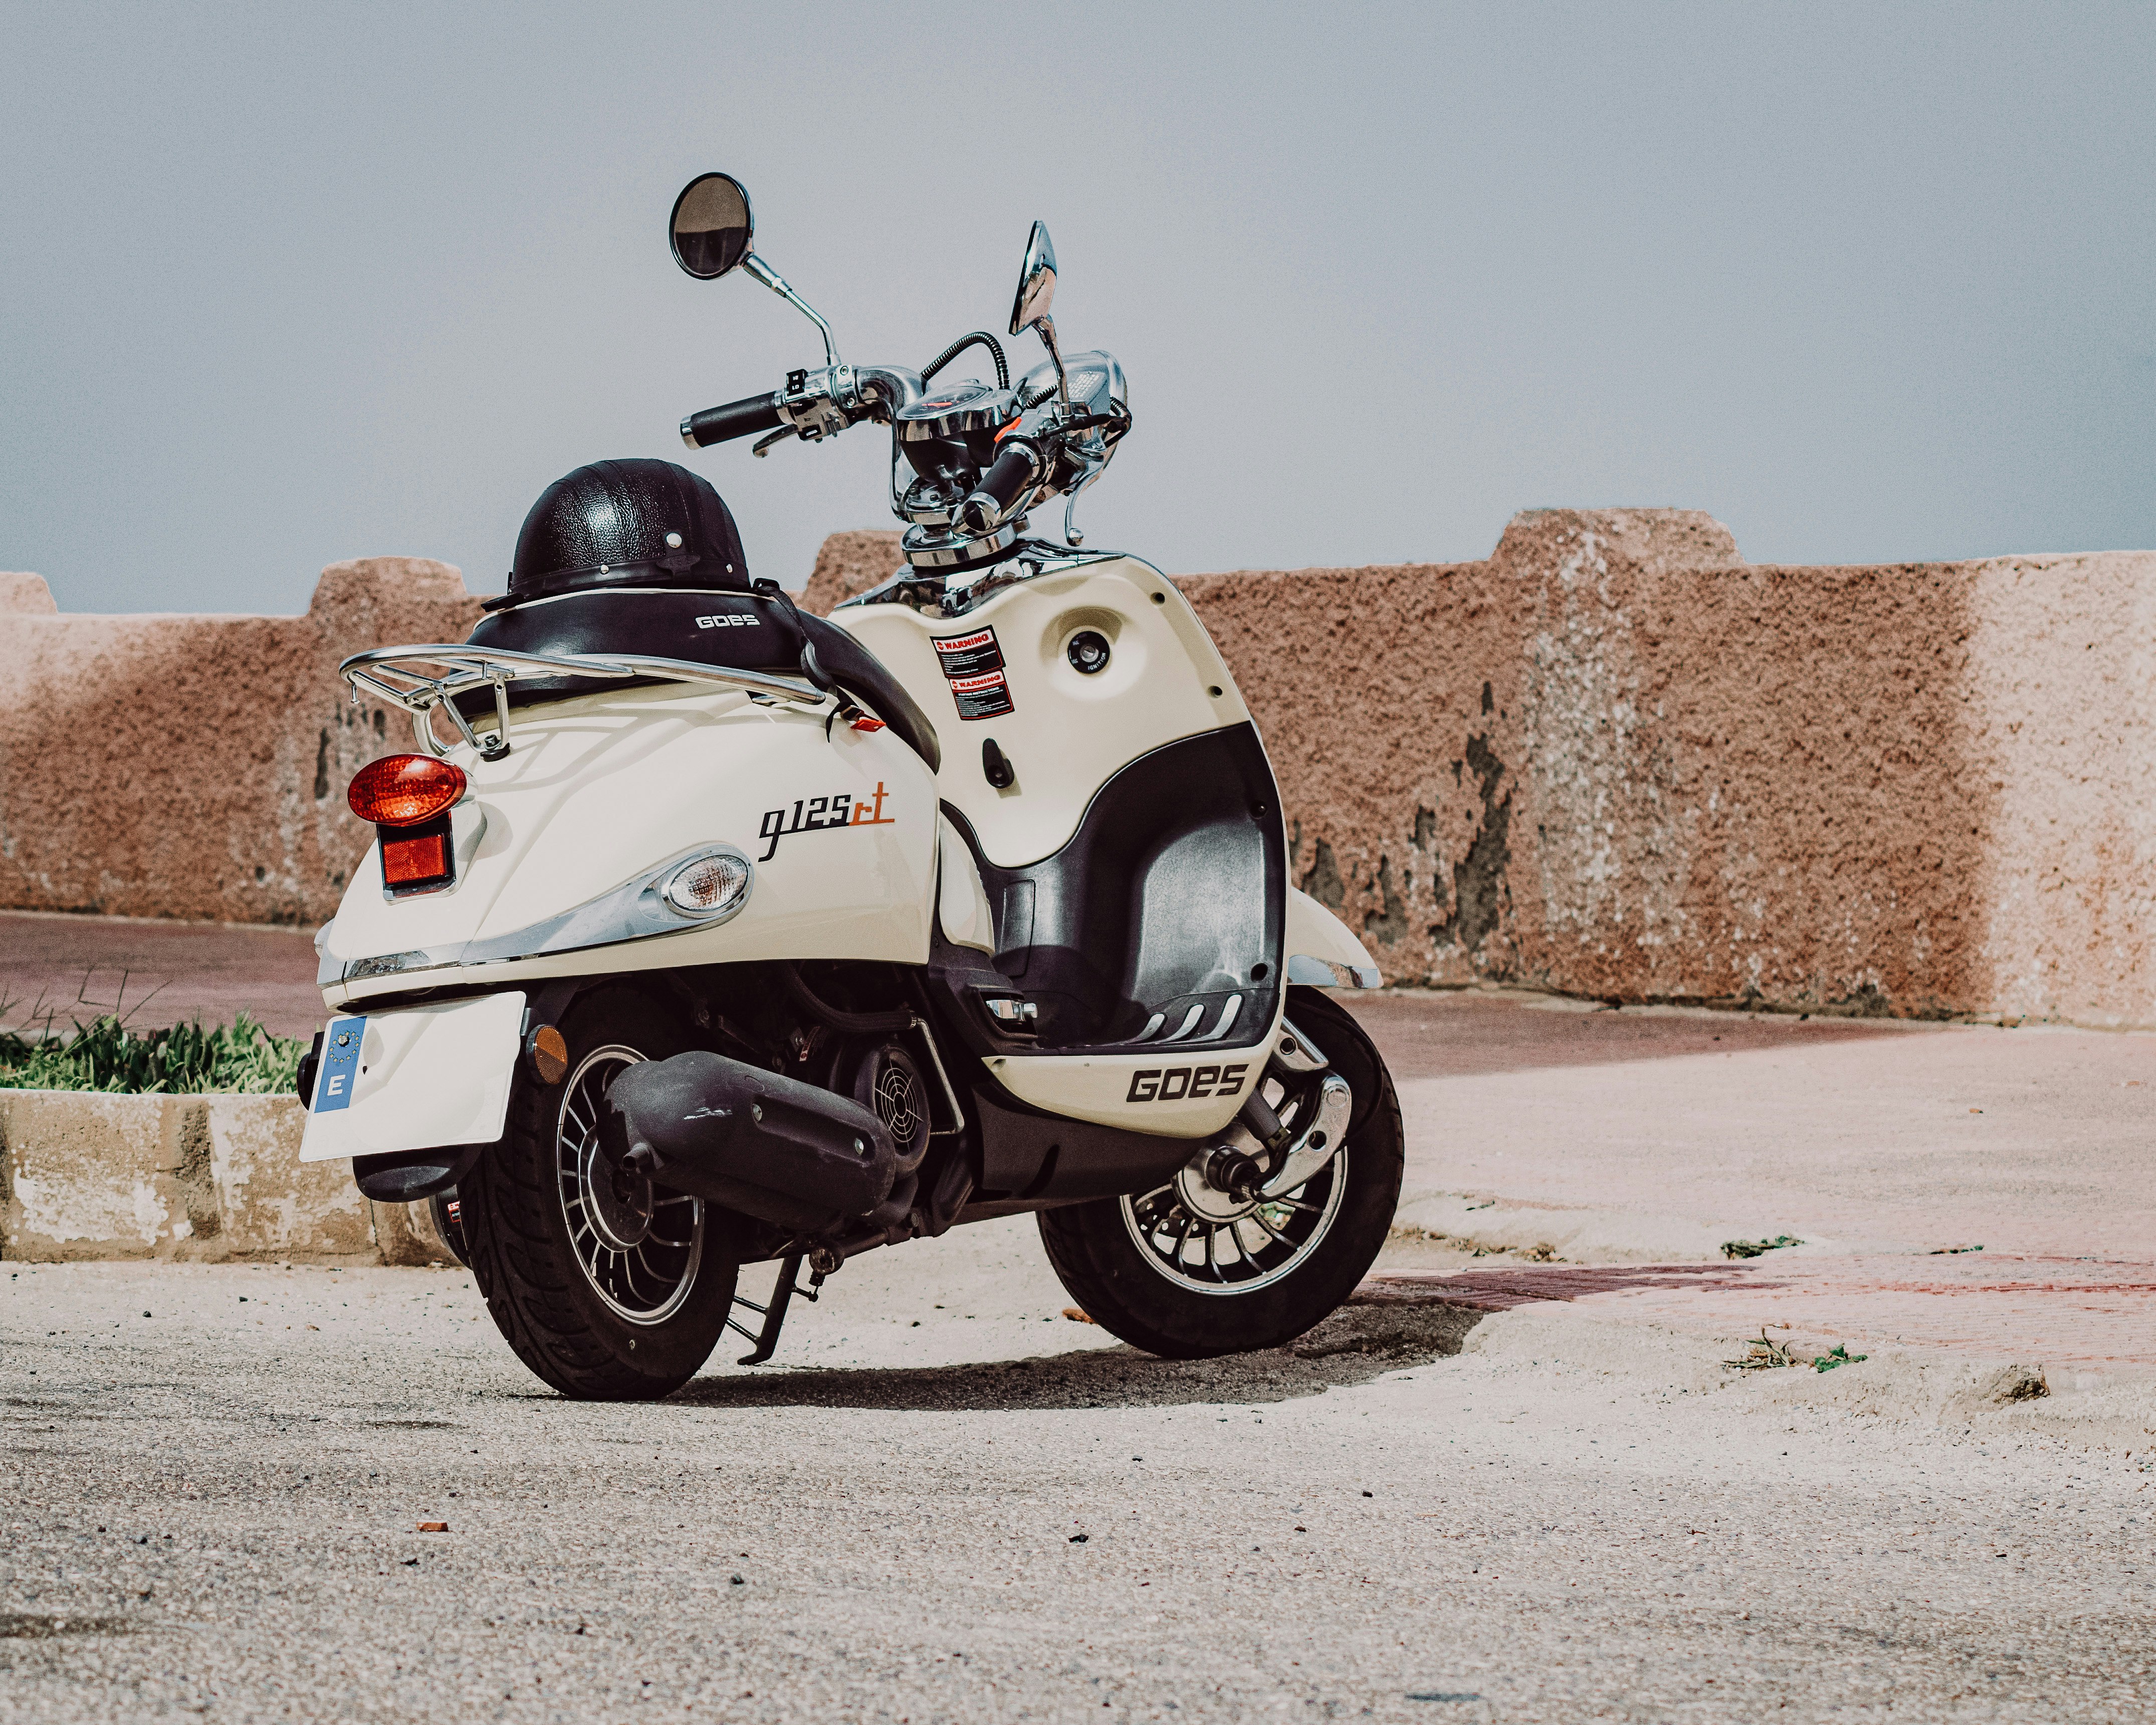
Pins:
x: 783, y: 1291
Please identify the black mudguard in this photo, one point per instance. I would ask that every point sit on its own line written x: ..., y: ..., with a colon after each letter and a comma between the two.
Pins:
x: 407, y: 1176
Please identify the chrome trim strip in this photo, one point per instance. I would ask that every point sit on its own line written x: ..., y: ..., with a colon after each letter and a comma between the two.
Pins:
x: 1324, y: 974
x: 1189, y: 1022
x: 636, y: 909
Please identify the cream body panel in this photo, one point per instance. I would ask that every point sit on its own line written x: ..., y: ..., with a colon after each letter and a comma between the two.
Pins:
x: 596, y: 791
x: 1111, y: 1089
x: 1314, y: 931
x: 427, y: 1075
x: 962, y: 902
x: 1067, y: 733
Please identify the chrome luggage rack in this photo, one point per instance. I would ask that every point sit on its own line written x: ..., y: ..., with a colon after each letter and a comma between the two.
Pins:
x: 390, y: 674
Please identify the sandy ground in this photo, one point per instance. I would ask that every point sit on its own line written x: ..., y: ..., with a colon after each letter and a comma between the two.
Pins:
x: 1523, y: 1485
x: 947, y: 1501
x: 1987, y: 1192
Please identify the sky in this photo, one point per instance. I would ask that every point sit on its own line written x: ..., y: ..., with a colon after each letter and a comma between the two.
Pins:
x: 285, y: 284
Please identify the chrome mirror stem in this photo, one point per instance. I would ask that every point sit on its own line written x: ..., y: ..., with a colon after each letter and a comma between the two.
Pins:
x: 777, y: 283
x: 1046, y: 325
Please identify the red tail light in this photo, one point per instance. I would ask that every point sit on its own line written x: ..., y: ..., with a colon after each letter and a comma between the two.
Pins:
x: 404, y: 790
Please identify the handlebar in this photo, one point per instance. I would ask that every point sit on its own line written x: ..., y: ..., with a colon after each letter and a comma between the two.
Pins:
x: 1009, y: 474
x: 737, y: 419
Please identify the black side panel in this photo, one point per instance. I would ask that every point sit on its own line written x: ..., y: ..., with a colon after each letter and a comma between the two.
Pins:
x: 1040, y: 1155
x: 1170, y: 897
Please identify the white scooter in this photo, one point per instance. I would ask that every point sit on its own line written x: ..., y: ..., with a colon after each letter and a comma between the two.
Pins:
x: 702, y: 932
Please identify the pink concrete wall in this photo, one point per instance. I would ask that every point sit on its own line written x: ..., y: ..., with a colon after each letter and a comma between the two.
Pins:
x: 1611, y: 759
x: 1615, y: 759
x: 195, y: 767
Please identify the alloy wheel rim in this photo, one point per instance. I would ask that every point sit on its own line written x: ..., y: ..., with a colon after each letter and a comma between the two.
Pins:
x: 1205, y: 1242
x: 638, y: 1244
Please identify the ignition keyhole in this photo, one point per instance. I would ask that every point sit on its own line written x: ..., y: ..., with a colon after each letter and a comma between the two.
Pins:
x: 1088, y: 652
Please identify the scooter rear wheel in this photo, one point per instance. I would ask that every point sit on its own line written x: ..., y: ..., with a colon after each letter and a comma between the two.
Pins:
x: 1188, y: 1272
x: 603, y: 1286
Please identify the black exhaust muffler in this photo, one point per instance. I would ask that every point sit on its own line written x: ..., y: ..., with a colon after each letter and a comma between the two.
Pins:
x: 801, y: 1158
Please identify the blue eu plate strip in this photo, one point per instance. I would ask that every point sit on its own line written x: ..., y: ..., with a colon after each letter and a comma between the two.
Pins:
x: 340, y: 1065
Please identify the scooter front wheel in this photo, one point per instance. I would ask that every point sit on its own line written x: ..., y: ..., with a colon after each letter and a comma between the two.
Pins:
x: 602, y: 1284
x: 1189, y: 1270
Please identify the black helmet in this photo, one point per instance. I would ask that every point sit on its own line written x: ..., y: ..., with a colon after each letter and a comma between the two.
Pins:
x: 627, y: 524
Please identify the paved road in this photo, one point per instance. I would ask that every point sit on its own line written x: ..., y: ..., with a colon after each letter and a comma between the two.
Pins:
x: 210, y: 1510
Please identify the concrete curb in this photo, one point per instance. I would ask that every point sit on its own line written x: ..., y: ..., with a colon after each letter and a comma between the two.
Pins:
x: 191, y: 1179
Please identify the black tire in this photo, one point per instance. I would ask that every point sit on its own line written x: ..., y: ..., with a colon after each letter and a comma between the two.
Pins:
x: 1116, y: 1282
x: 522, y: 1246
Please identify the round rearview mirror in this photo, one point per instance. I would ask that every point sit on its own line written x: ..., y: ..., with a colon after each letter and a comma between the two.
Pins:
x: 711, y: 229
x: 1036, y: 281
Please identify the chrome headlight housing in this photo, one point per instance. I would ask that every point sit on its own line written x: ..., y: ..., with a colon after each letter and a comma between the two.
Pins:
x: 710, y: 886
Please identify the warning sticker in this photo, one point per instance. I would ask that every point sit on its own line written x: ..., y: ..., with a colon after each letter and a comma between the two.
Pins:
x: 974, y: 665
x: 981, y: 697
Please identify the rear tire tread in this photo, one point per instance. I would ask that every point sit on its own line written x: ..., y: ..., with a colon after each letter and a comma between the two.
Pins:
x: 512, y: 1223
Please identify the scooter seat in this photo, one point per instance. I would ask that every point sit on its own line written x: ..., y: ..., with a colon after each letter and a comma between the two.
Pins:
x: 739, y: 631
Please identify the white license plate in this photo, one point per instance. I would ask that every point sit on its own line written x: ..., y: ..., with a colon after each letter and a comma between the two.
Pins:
x: 414, y: 1080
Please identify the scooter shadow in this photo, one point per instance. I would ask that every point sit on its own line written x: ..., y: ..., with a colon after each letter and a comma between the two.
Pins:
x: 1353, y: 1346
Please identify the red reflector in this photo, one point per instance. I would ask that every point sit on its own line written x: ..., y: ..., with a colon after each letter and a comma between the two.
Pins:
x: 403, y: 790
x: 406, y: 861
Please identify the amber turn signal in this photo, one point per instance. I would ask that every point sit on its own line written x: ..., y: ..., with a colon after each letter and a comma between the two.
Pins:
x: 403, y: 790
x: 550, y: 1054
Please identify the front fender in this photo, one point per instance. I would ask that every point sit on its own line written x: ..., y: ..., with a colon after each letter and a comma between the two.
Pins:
x: 1322, y: 953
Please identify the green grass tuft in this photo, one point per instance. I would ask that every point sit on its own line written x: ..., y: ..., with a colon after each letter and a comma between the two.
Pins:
x: 1757, y: 1248
x: 187, y: 1060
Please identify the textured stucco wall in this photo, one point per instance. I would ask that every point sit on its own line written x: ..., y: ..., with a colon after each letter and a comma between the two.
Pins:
x: 1615, y: 759
x: 1612, y: 759
x: 195, y: 767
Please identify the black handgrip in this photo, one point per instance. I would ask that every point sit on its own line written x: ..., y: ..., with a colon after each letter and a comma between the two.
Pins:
x: 737, y: 419
x: 1008, y: 475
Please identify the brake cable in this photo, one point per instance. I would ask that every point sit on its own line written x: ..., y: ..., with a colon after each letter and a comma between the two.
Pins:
x: 979, y: 338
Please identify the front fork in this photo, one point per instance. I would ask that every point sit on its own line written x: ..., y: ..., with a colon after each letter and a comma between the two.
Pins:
x: 1290, y: 1151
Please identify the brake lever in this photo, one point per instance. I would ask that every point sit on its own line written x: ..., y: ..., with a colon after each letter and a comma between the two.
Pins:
x: 771, y: 438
